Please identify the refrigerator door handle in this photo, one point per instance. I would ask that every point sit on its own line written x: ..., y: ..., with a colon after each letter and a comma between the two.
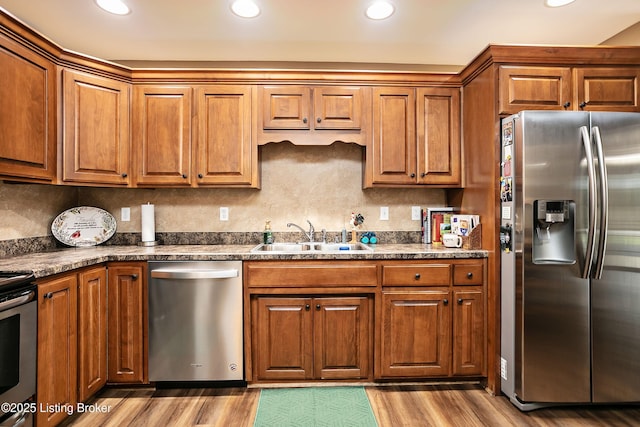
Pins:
x: 604, y: 203
x: 591, y: 233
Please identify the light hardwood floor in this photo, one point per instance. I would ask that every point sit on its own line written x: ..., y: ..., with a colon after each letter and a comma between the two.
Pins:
x: 460, y: 405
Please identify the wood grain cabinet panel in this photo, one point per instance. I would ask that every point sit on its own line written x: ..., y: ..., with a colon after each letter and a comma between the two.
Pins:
x: 27, y: 114
x: 469, y: 342
x: 96, y: 141
x: 127, y: 313
x: 226, y: 150
x: 534, y: 88
x: 57, y: 376
x: 162, y: 135
x: 607, y: 89
x: 92, y: 331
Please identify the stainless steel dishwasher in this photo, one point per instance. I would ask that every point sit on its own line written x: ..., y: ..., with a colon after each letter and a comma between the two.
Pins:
x: 195, y: 321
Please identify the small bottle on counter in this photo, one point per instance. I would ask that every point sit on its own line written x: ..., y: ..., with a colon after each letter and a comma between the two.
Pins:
x: 267, y: 235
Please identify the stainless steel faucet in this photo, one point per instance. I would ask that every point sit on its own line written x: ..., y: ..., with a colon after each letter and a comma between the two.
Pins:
x: 309, y: 235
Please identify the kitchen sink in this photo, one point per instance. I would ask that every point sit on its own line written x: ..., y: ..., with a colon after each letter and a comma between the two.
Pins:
x: 316, y: 247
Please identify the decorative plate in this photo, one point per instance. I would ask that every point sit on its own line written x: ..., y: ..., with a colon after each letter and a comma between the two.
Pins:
x: 83, y: 226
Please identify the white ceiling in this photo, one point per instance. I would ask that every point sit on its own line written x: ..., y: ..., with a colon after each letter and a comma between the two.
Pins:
x: 440, y: 32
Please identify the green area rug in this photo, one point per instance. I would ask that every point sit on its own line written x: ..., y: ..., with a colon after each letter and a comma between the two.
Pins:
x: 314, y: 406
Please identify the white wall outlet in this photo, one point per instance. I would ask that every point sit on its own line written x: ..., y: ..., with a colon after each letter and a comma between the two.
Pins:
x: 125, y: 214
x: 384, y: 213
x: 224, y: 214
x: 415, y: 213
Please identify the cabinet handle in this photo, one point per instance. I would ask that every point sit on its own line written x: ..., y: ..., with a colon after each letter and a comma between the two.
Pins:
x: 134, y: 277
x: 566, y: 105
x: 469, y: 275
x: 48, y: 295
x: 423, y: 174
x: 319, y: 120
x: 184, y: 175
x: 307, y: 307
x: 582, y: 105
x: 459, y: 301
x: 445, y: 301
x: 200, y: 175
x: 304, y: 120
x: 413, y: 175
x: 417, y: 276
x: 124, y: 174
x: 317, y: 306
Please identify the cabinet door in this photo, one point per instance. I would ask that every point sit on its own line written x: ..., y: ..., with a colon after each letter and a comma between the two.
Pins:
x: 392, y: 157
x: 127, y: 312
x: 96, y: 139
x: 607, y: 89
x: 57, y: 376
x: 534, y: 88
x: 468, y: 332
x: 416, y: 334
x: 92, y: 331
x: 438, y: 133
x: 285, y: 107
x: 342, y: 337
x: 162, y: 135
x: 337, y: 107
x: 27, y: 114
x: 227, y: 153
x: 283, y: 338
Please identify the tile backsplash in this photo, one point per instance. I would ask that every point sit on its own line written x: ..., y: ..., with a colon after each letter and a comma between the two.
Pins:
x: 321, y: 184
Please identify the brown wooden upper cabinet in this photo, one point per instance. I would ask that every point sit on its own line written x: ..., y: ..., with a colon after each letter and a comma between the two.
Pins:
x: 96, y: 140
x: 324, y: 114
x: 578, y: 88
x: 162, y: 135
x: 27, y: 113
x: 416, y: 137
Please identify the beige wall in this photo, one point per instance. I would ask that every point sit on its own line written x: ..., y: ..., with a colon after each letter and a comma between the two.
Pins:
x: 322, y: 184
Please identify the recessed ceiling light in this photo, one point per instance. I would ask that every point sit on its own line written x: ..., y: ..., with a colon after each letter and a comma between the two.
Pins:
x: 117, y: 7
x: 245, y: 8
x: 557, y: 3
x: 380, y: 10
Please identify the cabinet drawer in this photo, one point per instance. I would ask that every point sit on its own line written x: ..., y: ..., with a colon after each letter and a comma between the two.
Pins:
x: 311, y: 274
x: 416, y: 275
x: 468, y: 274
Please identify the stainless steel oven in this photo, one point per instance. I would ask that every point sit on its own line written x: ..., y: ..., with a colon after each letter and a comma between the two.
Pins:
x: 18, y: 336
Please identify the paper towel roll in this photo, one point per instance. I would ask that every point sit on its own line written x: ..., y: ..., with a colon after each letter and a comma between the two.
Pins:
x: 148, y: 223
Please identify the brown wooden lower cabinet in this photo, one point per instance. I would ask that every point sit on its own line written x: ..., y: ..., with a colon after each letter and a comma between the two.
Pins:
x: 127, y: 313
x: 469, y: 338
x: 309, y: 338
x: 57, y: 364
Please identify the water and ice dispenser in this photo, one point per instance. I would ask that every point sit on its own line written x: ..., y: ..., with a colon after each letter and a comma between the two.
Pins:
x: 554, y: 232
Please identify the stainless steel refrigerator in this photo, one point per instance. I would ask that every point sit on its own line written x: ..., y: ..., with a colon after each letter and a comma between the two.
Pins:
x: 570, y: 256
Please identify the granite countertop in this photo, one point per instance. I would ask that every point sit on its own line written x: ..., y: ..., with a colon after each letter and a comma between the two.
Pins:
x: 58, y: 261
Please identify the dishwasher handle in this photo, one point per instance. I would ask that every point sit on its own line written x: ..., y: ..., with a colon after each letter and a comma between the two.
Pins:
x: 193, y: 274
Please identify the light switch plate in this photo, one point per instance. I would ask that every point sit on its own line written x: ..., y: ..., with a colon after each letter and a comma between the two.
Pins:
x: 384, y: 213
x: 224, y: 214
x: 415, y: 213
x: 125, y: 214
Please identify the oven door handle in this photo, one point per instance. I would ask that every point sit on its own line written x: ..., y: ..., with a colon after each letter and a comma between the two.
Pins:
x: 22, y: 299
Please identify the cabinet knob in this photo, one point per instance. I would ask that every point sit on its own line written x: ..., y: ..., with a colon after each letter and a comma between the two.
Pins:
x: 317, y: 306
x: 417, y: 276
x: 134, y: 277
x: 184, y: 175
x: 319, y: 120
x: 469, y: 275
x: 48, y: 295
x: 307, y: 307
x: 459, y: 301
x: 582, y: 104
x: 413, y: 175
x: 304, y: 120
x: 566, y: 105
x: 200, y: 175
x: 124, y: 174
x: 423, y: 174
x: 445, y: 301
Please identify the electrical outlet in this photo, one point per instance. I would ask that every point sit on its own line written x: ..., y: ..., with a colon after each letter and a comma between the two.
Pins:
x: 384, y: 213
x: 224, y: 214
x: 125, y: 214
x: 415, y: 213
x: 503, y: 368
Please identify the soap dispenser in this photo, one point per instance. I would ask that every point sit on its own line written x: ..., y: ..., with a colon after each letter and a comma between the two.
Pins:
x: 267, y: 235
